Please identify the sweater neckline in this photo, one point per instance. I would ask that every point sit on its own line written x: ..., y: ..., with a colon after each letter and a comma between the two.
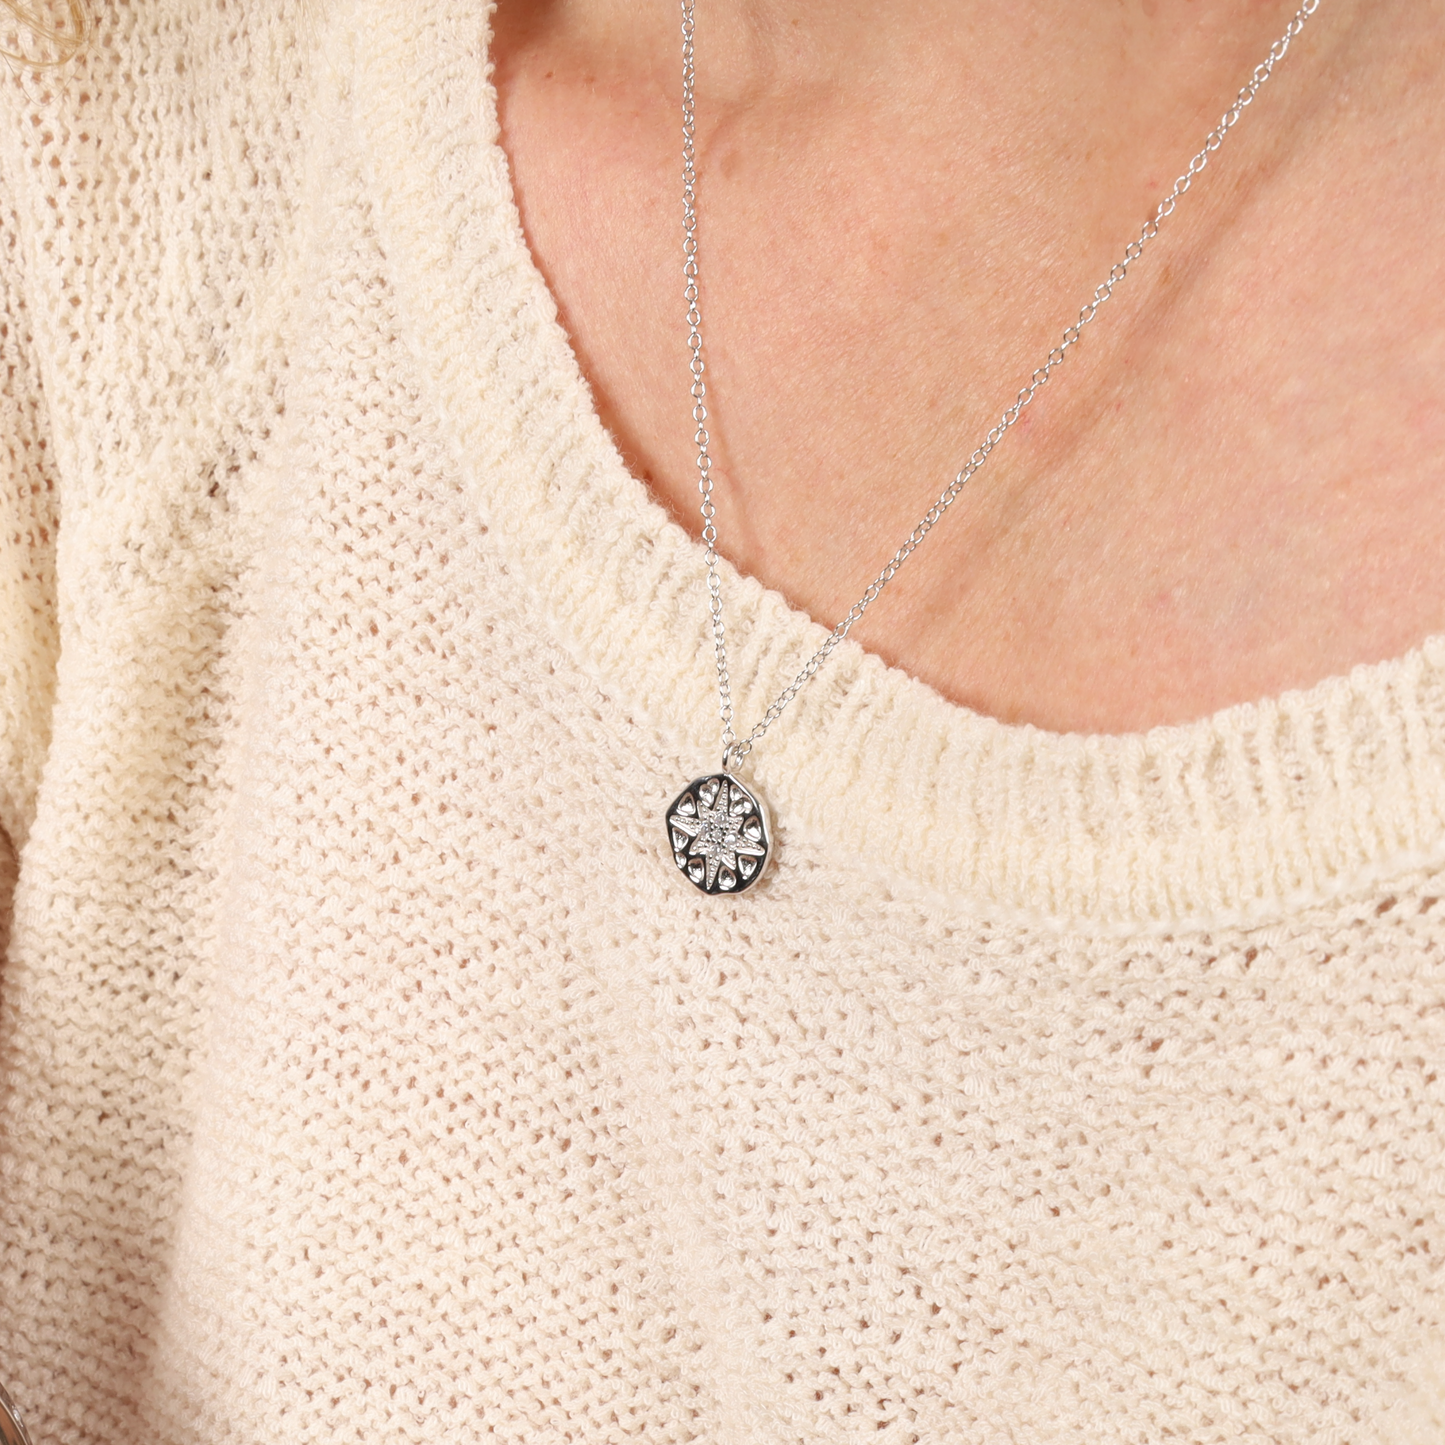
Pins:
x: 1238, y: 817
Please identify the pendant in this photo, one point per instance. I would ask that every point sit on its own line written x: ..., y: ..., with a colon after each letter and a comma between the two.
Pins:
x: 718, y: 833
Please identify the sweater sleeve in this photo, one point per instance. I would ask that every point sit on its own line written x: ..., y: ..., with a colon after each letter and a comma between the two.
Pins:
x: 29, y: 633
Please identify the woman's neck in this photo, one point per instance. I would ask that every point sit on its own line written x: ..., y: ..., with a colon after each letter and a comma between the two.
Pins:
x: 751, y: 51
x: 1234, y: 486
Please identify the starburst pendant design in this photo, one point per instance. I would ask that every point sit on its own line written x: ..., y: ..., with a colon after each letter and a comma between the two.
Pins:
x: 718, y: 833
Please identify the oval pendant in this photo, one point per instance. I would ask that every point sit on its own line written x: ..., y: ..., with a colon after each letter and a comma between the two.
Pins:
x: 718, y: 833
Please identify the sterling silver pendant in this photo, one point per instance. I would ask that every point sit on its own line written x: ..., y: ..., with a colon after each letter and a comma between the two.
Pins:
x: 718, y: 833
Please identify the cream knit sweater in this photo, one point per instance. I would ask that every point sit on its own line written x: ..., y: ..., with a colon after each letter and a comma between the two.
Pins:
x: 367, y: 1072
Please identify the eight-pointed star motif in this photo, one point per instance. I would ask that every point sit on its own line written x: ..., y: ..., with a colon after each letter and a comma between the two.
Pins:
x: 717, y: 834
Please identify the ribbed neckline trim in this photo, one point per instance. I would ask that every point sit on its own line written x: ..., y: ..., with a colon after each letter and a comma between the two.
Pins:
x: 1238, y: 817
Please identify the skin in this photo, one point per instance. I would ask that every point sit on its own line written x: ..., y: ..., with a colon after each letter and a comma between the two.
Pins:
x: 1236, y: 483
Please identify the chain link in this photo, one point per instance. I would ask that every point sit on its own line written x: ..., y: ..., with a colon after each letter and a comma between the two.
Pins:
x: 735, y: 749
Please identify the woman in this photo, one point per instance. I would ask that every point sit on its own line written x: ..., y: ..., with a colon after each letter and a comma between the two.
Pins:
x: 373, y: 1067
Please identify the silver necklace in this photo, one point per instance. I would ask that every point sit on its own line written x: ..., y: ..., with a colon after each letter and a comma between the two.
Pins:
x: 718, y: 829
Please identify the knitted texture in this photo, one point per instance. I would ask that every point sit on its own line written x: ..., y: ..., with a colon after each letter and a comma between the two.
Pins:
x: 368, y: 1073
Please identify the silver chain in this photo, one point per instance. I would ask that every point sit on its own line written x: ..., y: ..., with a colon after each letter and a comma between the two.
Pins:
x: 733, y: 748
